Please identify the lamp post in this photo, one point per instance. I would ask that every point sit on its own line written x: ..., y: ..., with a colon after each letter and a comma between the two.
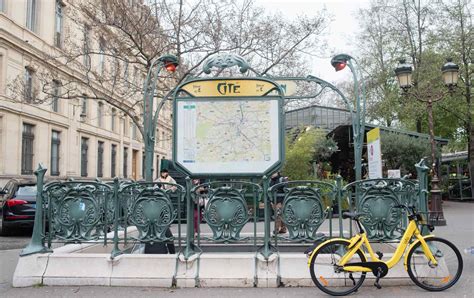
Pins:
x: 339, y: 62
x: 450, y: 73
x: 169, y: 62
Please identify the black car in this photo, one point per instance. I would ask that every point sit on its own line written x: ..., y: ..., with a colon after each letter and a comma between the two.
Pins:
x: 18, y: 205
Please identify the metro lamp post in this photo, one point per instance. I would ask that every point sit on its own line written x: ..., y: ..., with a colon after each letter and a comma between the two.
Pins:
x: 450, y: 73
x: 169, y: 62
x: 339, y: 62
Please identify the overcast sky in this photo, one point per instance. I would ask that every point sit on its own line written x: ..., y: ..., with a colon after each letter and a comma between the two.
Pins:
x: 341, y: 30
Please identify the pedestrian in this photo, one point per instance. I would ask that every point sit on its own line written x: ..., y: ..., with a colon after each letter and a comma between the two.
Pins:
x: 276, y: 178
x: 166, y: 178
x: 200, y: 195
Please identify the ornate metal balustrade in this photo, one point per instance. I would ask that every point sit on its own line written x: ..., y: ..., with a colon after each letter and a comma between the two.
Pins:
x: 88, y: 211
x: 78, y: 211
x: 230, y: 206
x: 376, y: 199
x: 151, y: 208
x: 303, y: 206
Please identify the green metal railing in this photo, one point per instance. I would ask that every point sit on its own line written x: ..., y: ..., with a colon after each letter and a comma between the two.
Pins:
x: 123, y: 213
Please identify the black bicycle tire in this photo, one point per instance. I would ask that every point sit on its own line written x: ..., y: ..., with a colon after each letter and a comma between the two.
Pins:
x: 320, y: 286
x: 453, y: 281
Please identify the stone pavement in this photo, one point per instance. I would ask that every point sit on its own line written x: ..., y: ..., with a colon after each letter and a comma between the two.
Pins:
x: 460, y: 230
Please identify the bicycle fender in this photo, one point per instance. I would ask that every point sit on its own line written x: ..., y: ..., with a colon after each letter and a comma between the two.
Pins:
x: 320, y: 245
x: 411, y: 247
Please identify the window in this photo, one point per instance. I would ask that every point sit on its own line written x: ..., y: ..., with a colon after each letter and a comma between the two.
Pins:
x: 113, y: 161
x: 113, y: 120
x: 58, y: 30
x: 28, y: 84
x: 86, y: 46
x: 125, y: 127
x: 28, y: 137
x: 125, y: 75
x: 2, y: 5
x: 55, y: 101
x: 134, y: 131
x: 31, y: 15
x: 100, y: 159
x: 125, y: 162
x: 55, y: 142
x: 84, y: 155
x: 100, y: 112
x: 84, y: 106
x: 101, y: 56
x: 163, y: 141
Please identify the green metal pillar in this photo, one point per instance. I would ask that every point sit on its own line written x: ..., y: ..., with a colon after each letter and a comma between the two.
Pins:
x: 36, y: 244
x: 190, y: 248
x: 170, y: 62
x: 267, y: 248
x: 422, y: 175
x: 339, y: 62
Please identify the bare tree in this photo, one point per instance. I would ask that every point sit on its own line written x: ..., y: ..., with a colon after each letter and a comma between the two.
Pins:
x: 119, y: 40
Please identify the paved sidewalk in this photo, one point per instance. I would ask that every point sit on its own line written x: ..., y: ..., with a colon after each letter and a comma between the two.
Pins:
x: 460, y: 230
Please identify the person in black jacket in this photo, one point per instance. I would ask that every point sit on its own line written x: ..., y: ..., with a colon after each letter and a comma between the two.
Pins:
x: 276, y: 178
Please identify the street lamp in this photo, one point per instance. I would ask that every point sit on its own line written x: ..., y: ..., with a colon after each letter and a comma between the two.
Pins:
x: 450, y: 73
x: 169, y: 62
x: 339, y: 62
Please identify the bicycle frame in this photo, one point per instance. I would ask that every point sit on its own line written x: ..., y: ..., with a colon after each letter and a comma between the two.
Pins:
x: 361, y: 239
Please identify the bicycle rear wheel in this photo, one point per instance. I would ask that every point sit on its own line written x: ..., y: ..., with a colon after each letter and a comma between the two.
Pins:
x: 435, y: 277
x: 329, y: 277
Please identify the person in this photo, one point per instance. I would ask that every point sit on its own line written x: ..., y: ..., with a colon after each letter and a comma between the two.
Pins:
x: 198, y: 204
x: 166, y: 178
x: 276, y: 178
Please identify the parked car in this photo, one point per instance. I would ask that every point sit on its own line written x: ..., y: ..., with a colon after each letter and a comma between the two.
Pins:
x: 18, y: 205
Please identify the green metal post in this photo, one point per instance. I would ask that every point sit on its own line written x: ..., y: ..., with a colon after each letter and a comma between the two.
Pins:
x: 116, y: 250
x: 150, y: 120
x: 189, y: 249
x: 266, y: 248
x: 339, y: 204
x: 36, y: 244
x: 339, y: 62
x: 422, y: 174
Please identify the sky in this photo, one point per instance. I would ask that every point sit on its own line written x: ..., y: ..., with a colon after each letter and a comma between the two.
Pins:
x: 341, y: 30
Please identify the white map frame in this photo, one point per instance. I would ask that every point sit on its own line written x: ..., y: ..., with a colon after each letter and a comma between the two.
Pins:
x: 190, y: 156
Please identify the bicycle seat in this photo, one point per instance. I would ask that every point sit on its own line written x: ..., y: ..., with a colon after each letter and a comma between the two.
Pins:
x: 351, y: 215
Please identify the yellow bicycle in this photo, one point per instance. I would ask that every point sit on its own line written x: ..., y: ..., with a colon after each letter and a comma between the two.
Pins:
x: 338, y: 266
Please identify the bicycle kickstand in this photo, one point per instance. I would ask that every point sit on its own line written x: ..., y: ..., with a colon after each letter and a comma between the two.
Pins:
x: 377, y: 278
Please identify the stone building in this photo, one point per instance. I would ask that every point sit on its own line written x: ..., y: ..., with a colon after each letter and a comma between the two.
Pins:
x: 73, y: 137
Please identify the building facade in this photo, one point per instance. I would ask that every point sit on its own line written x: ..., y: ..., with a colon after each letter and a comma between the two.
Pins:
x: 75, y: 137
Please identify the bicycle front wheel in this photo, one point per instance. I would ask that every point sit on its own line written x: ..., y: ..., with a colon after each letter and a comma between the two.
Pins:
x: 331, y: 278
x: 437, y: 277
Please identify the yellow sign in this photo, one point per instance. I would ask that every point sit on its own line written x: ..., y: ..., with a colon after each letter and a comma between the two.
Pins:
x: 373, y: 134
x: 228, y: 88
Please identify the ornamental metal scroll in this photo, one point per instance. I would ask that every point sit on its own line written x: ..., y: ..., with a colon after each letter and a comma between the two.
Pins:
x: 304, y: 207
x: 226, y: 213
x: 225, y: 61
x: 149, y: 207
x: 377, y: 201
x: 78, y: 211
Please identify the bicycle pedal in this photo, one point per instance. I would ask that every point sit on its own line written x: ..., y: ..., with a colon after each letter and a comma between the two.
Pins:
x: 379, y: 255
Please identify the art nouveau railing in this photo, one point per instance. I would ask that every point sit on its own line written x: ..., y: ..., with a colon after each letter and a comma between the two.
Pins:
x: 107, y: 213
